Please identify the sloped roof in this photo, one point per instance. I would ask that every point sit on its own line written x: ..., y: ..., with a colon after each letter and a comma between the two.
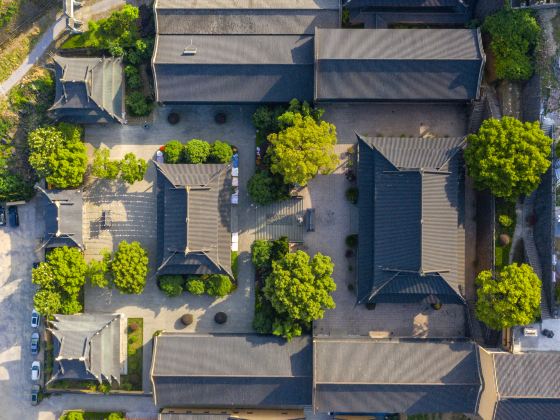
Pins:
x: 243, y: 68
x: 397, y: 64
x: 249, y: 370
x: 235, y: 17
x: 89, y: 89
x: 353, y: 4
x: 62, y: 212
x: 394, y: 377
x: 527, y: 409
x: 194, y: 219
x: 409, y: 219
x: 87, y: 346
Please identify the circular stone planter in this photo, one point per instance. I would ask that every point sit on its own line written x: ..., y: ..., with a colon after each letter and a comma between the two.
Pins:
x: 220, y: 318
x: 220, y: 118
x: 436, y: 306
x: 187, y: 319
x: 173, y: 118
x: 504, y: 239
x: 370, y: 306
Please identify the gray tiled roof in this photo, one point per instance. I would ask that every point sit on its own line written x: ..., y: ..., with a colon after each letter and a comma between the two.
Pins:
x: 62, y: 212
x: 245, y: 17
x: 402, y: 3
x: 403, y: 377
x: 410, y: 213
x: 233, y: 370
x: 527, y: 375
x: 528, y: 409
x: 234, y: 69
x: 194, y: 219
x: 89, y: 89
x: 397, y: 64
x: 173, y: 416
x: 88, y: 345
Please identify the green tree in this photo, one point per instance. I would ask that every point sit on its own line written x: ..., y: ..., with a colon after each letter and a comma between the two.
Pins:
x: 514, y: 35
x: 47, y: 302
x: 42, y: 144
x: 265, y: 188
x: 14, y: 187
x: 68, y: 165
x: 130, y: 267
x: 261, y: 252
x: 303, y: 149
x: 137, y: 104
x: 299, y: 290
x: 220, y: 152
x: 171, y: 285
x: 44, y: 277
x: 219, y: 285
x: 173, y: 151
x: 68, y: 269
x: 195, y: 286
x: 132, y: 168
x: 103, y: 166
x: 71, y: 306
x: 133, y: 80
x: 510, y: 298
x: 98, y: 270
x: 508, y: 157
x: 196, y: 151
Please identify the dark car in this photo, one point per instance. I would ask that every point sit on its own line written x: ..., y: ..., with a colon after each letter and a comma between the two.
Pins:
x: 2, y: 216
x: 13, y: 216
x: 35, y: 390
x: 35, y: 339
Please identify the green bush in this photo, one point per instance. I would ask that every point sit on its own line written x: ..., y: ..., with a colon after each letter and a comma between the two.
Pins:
x: 133, y: 80
x: 514, y: 35
x: 195, y: 286
x: 138, y: 104
x: 265, y: 120
x: 220, y: 152
x: 115, y: 416
x: 13, y: 187
x: 103, y: 166
x: 171, y: 285
x: 173, y: 151
x: 132, y: 168
x: 280, y: 247
x: 261, y: 252
x: 73, y: 415
x: 7, y: 12
x: 130, y: 267
x: 219, y: 285
x: 505, y: 220
x: 352, y: 195
x: 234, y: 264
x: 265, y: 188
x: 196, y: 151
x: 352, y: 241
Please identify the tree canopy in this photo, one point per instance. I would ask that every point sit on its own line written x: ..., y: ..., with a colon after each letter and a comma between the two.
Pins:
x: 103, y: 166
x: 132, y: 168
x: 196, y: 151
x: 510, y: 298
x: 508, y: 157
x: 58, y: 154
x: 303, y: 149
x: 130, y: 267
x: 299, y: 289
x: 514, y: 35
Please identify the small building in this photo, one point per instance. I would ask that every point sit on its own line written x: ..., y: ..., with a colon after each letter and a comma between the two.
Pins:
x: 89, y: 90
x: 520, y: 386
x: 411, y: 235
x: 62, y: 213
x: 365, y: 376
x: 194, y: 219
x: 87, y: 346
x: 388, y: 65
x: 231, y: 370
x: 237, y: 51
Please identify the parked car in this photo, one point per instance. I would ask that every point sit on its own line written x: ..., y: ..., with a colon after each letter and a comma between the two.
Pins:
x: 13, y: 216
x: 35, y: 342
x: 2, y: 216
x: 35, y: 319
x: 35, y: 390
x: 35, y: 370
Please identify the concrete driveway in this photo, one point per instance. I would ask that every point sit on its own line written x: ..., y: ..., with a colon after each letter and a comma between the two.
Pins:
x: 134, y: 218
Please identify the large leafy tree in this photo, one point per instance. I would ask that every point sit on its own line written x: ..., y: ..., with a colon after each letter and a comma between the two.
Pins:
x: 98, y: 270
x: 65, y: 269
x: 303, y: 149
x: 508, y: 157
x: 47, y: 302
x: 510, y: 298
x: 58, y: 154
x: 132, y: 168
x: 299, y: 289
x: 130, y: 267
x: 514, y: 35
x: 103, y: 166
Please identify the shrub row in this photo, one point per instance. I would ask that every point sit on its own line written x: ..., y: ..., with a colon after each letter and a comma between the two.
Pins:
x: 197, y: 151
x: 217, y: 285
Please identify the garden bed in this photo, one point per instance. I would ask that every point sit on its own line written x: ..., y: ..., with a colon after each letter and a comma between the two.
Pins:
x: 92, y: 415
x: 132, y: 381
x: 505, y: 219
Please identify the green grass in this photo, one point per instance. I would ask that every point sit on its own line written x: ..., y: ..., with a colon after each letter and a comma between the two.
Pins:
x: 133, y: 380
x: 234, y: 264
x: 89, y: 415
x: 86, y: 40
x: 502, y: 251
x: 74, y: 384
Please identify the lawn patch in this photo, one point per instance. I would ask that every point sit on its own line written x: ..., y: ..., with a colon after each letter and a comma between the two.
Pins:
x: 132, y: 381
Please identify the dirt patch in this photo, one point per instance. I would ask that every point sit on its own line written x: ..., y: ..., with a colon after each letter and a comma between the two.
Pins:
x: 28, y: 13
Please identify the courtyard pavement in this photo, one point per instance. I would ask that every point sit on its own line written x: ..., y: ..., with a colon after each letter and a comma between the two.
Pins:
x: 133, y: 209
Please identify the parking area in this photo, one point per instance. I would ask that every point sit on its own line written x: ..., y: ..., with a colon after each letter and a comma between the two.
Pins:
x: 133, y: 213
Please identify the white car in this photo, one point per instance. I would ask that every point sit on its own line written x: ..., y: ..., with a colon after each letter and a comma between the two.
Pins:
x: 35, y: 370
x: 35, y: 319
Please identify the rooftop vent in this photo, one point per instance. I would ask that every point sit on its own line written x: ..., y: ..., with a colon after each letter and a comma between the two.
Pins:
x: 189, y: 49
